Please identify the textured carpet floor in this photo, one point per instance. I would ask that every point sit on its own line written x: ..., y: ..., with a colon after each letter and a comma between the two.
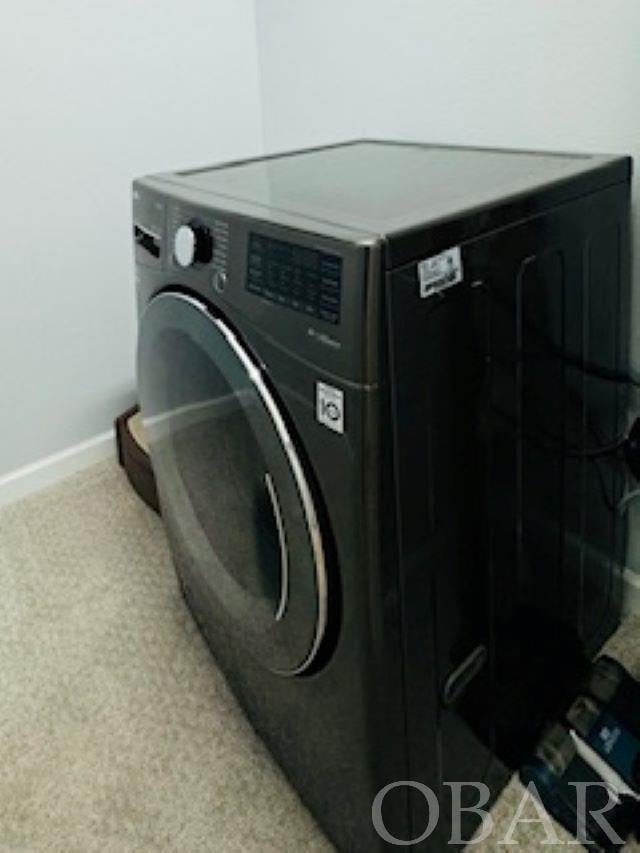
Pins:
x: 117, y: 732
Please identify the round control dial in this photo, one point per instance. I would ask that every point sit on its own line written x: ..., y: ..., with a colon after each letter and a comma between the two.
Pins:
x: 192, y: 244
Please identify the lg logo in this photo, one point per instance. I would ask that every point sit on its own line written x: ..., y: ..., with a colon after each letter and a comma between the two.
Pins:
x: 330, y: 406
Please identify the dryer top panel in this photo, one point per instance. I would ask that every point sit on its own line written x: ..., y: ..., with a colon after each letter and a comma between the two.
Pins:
x: 386, y: 188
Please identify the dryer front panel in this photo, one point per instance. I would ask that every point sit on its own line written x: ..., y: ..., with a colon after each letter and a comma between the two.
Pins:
x: 235, y: 492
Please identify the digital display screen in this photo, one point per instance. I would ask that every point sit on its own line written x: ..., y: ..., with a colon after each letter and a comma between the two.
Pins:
x: 306, y: 280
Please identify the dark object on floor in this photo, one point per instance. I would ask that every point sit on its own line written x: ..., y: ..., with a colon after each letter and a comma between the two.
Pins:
x: 612, y: 686
x: 558, y: 772
x: 595, y: 746
x: 134, y: 458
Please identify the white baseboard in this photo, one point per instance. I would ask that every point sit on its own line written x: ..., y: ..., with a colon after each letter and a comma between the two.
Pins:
x: 46, y: 472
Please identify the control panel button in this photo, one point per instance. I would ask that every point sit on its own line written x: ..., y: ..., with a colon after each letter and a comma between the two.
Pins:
x: 192, y: 244
x: 219, y: 280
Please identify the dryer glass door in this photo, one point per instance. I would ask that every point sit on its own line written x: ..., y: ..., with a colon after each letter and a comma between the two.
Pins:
x: 235, y: 495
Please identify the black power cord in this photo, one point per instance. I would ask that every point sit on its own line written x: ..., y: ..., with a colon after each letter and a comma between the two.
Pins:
x: 632, y: 449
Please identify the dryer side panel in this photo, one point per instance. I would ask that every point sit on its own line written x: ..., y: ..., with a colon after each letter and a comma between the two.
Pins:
x: 440, y: 379
x: 509, y: 399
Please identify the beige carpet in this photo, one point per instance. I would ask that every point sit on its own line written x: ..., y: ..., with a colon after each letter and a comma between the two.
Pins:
x: 117, y: 732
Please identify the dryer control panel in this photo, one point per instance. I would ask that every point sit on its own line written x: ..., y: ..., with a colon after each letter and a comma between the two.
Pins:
x: 314, y: 295
x: 299, y: 277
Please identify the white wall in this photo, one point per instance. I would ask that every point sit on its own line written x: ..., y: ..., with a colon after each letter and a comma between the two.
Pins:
x: 91, y: 95
x: 548, y: 74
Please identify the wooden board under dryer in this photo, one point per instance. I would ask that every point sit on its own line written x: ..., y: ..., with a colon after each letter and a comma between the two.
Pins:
x: 133, y: 455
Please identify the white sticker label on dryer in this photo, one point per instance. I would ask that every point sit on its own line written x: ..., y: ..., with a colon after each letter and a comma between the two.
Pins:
x: 440, y: 272
x: 330, y: 406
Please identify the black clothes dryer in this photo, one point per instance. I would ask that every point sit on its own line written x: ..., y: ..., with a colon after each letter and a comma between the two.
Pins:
x: 384, y: 386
